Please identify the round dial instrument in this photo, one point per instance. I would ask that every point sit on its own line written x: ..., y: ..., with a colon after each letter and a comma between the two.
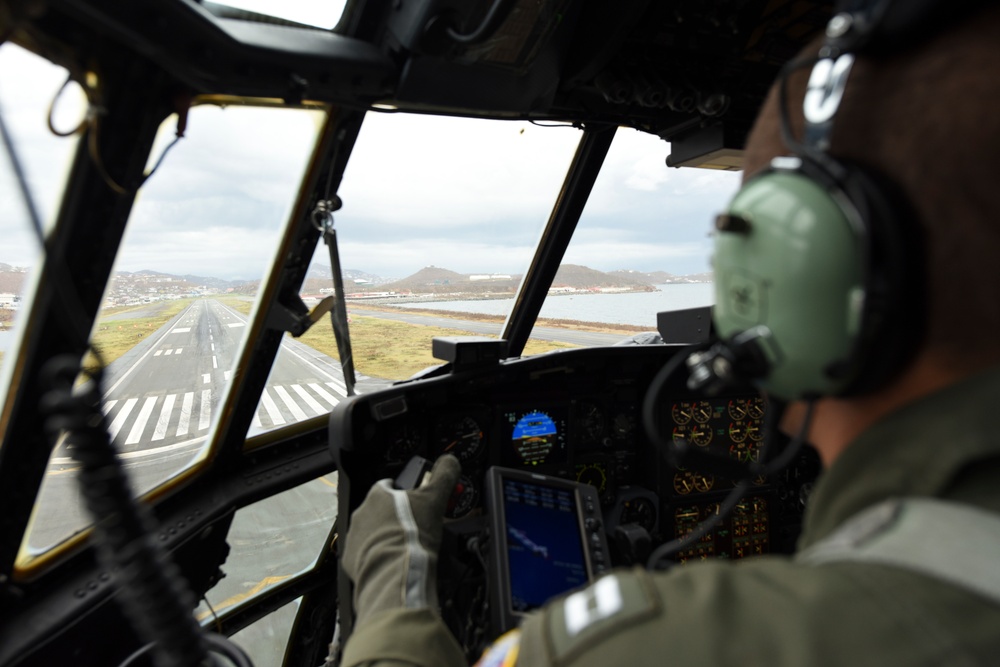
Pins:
x: 462, y: 437
x: 463, y: 500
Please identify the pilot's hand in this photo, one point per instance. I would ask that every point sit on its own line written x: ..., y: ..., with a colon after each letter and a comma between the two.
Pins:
x: 392, y: 544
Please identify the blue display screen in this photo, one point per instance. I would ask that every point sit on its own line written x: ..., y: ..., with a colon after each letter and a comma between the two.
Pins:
x: 536, y: 437
x: 544, y: 551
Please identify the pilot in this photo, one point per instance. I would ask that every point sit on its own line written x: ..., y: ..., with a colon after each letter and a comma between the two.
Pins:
x: 897, y: 562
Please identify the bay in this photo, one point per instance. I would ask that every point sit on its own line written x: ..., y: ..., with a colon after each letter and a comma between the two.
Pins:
x: 635, y: 308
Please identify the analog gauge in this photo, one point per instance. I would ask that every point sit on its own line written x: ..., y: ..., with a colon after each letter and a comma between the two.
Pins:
x: 591, y: 422
x: 696, y: 433
x: 738, y: 409
x: 737, y: 431
x: 683, y: 484
x: 685, y: 517
x: 463, y: 500
x: 760, y: 480
x: 755, y: 430
x: 686, y: 482
x: 744, y: 452
x: 403, y: 443
x: 593, y: 474
x: 703, y: 483
x: 623, y: 426
x: 701, y: 412
x: 681, y: 413
x: 462, y: 437
x: 756, y: 407
x: 638, y: 510
x: 701, y: 435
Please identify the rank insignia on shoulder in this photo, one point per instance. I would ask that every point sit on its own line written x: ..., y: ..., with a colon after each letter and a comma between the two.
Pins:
x: 586, y: 617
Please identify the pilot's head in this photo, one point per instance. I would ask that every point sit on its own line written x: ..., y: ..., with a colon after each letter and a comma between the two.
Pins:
x: 927, y: 120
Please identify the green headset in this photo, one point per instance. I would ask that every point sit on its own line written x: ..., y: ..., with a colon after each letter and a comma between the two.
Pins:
x: 819, y: 280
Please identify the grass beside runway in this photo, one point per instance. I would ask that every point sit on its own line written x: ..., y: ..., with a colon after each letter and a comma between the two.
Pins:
x: 394, y: 350
x: 116, y: 336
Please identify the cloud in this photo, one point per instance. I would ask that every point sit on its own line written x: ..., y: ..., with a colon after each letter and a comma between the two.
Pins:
x: 465, y: 194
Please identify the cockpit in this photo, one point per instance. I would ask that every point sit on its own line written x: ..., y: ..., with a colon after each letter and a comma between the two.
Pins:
x: 277, y: 256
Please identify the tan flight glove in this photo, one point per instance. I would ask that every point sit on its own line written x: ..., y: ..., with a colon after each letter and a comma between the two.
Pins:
x: 392, y: 545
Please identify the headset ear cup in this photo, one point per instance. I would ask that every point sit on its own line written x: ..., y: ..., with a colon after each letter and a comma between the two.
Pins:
x: 825, y: 259
x: 894, y: 312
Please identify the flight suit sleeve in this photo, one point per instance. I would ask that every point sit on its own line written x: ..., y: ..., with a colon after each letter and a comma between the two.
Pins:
x: 403, y: 638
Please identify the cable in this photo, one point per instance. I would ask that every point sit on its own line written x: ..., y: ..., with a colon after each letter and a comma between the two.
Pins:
x: 496, y: 15
x: 152, y: 592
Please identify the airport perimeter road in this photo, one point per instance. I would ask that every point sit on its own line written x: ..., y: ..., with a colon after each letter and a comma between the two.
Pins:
x: 571, y: 336
x: 162, y: 397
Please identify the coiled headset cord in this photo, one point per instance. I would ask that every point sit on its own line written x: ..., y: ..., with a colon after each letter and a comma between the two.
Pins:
x: 152, y: 591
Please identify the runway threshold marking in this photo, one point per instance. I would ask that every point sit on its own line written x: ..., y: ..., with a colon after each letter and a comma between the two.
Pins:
x: 160, y: 431
x: 205, y: 418
x: 309, y: 400
x: 290, y: 403
x: 140, y: 422
x: 184, y: 422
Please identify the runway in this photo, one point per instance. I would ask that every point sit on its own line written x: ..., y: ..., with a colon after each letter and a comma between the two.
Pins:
x: 162, y: 398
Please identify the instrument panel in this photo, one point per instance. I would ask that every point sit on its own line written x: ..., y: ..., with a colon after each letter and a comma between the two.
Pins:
x: 573, y: 415
x: 576, y: 415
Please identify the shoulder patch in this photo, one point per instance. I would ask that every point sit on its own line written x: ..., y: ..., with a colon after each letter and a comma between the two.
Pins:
x: 503, y: 652
x: 587, y: 616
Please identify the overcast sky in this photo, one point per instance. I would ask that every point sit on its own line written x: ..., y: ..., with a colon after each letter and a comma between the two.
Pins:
x: 467, y: 195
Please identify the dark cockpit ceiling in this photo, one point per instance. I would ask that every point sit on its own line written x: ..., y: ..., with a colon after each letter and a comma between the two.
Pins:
x: 681, y: 69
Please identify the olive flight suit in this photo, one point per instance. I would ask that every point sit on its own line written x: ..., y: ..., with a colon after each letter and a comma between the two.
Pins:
x: 819, y: 607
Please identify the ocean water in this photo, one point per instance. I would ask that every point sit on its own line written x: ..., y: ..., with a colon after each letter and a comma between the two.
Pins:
x: 636, y: 308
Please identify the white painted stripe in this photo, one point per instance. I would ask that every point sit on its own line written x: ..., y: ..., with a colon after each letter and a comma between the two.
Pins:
x: 109, y: 405
x: 292, y: 406
x: 168, y: 353
x: 111, y: 390
x: 309, y: 400
x: 210, y: 337
x: 213, y: 346
x: 255, y: 422
x: 138, y: 454
x: 140, y: 422
x: 205, y: 418
x: 215, y: 362
x: 236, y: 324
x: 228, y: 375
x: 206, y: 378
x: 120, y: 418
x: 178, y: 350
x: 338, y: 387
x: 324, y: 394
x: 271, y: 409
x: 158, y: 353
x: 184, y: 421
x: 180, y: 330
x: 160, y: 431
